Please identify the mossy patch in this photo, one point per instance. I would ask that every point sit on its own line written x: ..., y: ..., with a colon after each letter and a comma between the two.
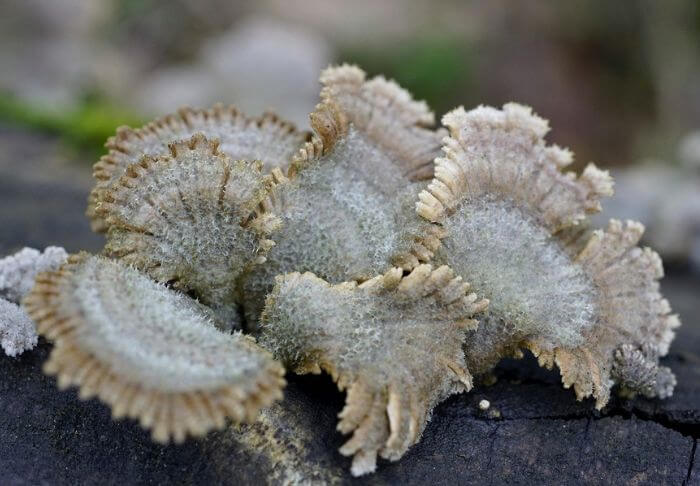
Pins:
x: 85, y: 126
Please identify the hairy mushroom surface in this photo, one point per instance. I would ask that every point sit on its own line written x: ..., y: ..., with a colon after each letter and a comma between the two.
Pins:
x: 267, y: 138
x: 346, y: 204
x: 345, y: 252
x: 393, y: 342
x: 191, y: 219
x: 149, y: 352
x: 515, y: 226
x: 633, y: 325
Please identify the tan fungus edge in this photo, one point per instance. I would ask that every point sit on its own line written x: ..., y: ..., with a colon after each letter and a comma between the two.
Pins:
x: 260, y: 219
x: 612, y: 256
x: 366, y: 409
x: 174, y: 126
x: 452, y: 172
x: 388, y: 114
x: 169, y: 415
x: 330, y: 124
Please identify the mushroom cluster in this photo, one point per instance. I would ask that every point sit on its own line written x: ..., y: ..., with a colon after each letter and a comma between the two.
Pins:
x: 398, y: 257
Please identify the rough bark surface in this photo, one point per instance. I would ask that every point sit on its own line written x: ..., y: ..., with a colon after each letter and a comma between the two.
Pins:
x: 534, y: 432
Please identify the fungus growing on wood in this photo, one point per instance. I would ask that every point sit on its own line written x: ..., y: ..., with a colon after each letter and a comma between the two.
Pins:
x: 515, y: 226
x: 393, y: 342
x: 150, y: 353
x: 214, y: 220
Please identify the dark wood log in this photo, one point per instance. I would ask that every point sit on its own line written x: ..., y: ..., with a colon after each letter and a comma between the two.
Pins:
x: 535, y: 432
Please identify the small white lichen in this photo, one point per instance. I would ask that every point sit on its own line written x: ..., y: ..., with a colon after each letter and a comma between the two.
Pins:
x: 17, y: 333
x: 17, y: 272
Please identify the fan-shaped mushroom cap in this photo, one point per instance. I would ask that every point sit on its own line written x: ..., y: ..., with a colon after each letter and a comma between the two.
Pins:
x: 346, y: 206
x: 386, y: 116
x: 502, y: 154
x: 149, y: 352
x: 633, y: 322
x: 394, y: 342
x: 267, y: 138
x: 515, y: 226
x: 191, y: 219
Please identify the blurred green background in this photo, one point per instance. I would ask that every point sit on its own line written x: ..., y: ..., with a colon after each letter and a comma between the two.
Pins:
x: 619, y: 81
